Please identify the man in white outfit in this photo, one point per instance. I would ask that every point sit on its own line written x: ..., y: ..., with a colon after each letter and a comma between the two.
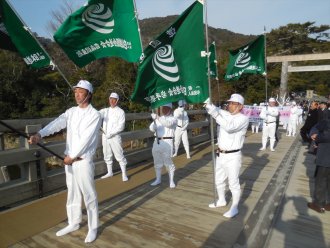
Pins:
x: 256, y: 123
x: 181, y: 129
x: 233, y: 125
x: 293, y: 119
x: 83, y: 124
x: 113, y: 123
x: 269, y: 114
x: 163, y: 126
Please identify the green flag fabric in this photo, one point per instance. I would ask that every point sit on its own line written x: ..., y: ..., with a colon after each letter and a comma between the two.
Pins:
x: 15, y: 36
x: 213, y: 61
x: 173, y: 68
x: 247, y: 59
x: 102, y: 28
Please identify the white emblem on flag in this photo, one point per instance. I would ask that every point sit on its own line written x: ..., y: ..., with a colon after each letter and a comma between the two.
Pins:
x: 99, y: 18
x: 164, y: 64
x: 243, y: 59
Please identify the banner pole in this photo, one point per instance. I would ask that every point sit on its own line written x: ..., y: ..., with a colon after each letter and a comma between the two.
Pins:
x: 137, y: 21
x: 266, y: 76
x: 216, y: 67
x: 210, y: 96
x: 27, y: 137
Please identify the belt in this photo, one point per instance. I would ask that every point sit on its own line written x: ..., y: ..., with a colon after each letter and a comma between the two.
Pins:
x: 163, y: 138
x: 77, y: 159
x: 269, y: 122
x: 179, y: 126
x: 226, y: 151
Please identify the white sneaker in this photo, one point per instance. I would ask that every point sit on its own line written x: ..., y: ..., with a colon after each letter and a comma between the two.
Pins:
x: 188, y: 157
x: 231, y: 213
x: 172, y: 185
x: 174, y: 155
x: 107, y: 175
x: 124, y: 177
x: 155, y: 183
x: 218, y: 204
x: 271, y: 149
x: 262, y: 148
x: 91, y: 236
x: 67, y: 229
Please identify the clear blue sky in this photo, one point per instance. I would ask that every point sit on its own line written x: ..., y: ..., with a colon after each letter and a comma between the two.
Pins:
x: 240, y: 16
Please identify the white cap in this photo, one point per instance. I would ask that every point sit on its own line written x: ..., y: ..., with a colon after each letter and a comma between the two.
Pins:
x: 168, y: 105
x: 272, y: 99
x: 294, y: 103
x: 181, y: 103
x: 84, y: 84
x: 114, y: 95
x: 254, y: 104
x: 236, y: 98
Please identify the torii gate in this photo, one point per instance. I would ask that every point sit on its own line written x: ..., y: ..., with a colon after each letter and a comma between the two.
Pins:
x: 286, y: 67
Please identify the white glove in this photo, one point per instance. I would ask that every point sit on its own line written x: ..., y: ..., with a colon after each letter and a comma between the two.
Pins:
x: 153, y: 116
x: 207, y: 101
x: 209, y: 107
x: 211, y: 110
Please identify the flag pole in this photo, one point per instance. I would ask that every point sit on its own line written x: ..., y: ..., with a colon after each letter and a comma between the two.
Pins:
x: 210, y: 96
x: 216, y: 67
x: 266, y: 76
x: 28, y: 29
x: 137, y: 21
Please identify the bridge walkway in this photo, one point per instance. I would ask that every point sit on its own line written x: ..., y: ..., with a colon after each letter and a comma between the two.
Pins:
x: 275, y: 189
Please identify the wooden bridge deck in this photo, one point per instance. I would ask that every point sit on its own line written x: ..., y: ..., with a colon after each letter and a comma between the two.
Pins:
x: 134, y: 214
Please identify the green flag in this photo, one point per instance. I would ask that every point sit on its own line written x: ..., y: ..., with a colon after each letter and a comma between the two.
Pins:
x: 15, y: 36
x: 173, y: 67
x: 247, y: 59
x: 213, y: 61
x: 102, y: 28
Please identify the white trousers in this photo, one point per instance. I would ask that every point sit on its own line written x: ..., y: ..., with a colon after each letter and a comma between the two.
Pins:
x: 113, y: 147
x: 181, y: 134
x: 227, y: 167
x: 162, y: 154
x: 268, y: 131
x: 255, y: 127
x: 80, y: 183
x: 292, y: 127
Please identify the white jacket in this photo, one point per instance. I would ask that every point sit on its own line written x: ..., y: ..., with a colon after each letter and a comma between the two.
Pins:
x: 113, y: 121
x: 269, y: 114
x: 182, y: 118
x: 82, y: 126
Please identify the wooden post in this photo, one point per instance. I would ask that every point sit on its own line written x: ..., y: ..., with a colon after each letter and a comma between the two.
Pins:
x: 284, y: 79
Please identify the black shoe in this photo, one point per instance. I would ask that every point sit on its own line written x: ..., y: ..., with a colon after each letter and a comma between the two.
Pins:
x: 315, y: 207
x: 327, y: 207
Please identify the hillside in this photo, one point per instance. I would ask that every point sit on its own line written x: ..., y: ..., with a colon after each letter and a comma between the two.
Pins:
x: 152, y: 27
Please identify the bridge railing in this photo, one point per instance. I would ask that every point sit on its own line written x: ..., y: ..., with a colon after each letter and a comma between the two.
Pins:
x: 28, y: 172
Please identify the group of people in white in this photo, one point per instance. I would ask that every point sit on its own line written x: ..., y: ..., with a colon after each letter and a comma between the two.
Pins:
x: 269, y: 121
x: 83, y: 124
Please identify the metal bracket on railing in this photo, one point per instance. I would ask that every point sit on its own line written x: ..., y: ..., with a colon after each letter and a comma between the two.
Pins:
x: 39, y: 177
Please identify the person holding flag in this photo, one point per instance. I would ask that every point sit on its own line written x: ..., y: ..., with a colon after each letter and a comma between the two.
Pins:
x: 181, y: 129
x: 269, y: 114
x: 113, y: 123
x: 82, y: 123
x: 232, y: 129
x: 163, y: 126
